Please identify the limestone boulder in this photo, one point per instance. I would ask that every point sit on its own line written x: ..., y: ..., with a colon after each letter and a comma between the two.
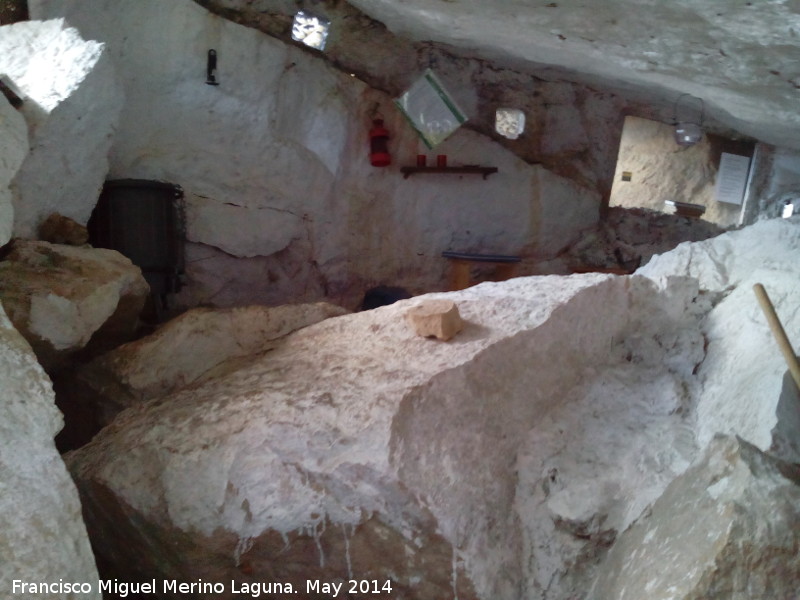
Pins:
x: 734, y: 258
x: 740, y: 382
x: 187, y: 348
x: 628, y: 238
x: 72, y: 102
x: 61, y: 297
x: 44, y: 537
x: 726, y: 528
x: 357, y: 449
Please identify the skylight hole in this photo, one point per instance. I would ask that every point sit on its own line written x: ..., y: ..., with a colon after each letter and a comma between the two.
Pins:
x: 310, y: 29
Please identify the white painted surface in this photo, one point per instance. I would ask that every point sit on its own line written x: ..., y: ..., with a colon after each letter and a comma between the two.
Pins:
x: 71, y: 106
x: 44, y: 538
x: 275, y: 159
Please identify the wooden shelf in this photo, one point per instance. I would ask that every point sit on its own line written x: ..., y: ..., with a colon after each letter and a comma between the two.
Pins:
x: 485, y: 171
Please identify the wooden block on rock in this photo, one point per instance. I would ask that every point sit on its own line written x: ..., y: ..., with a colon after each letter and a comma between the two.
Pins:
x: 436, y: 318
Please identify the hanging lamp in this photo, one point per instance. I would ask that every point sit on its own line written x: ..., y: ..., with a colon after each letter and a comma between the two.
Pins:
x: 688, y: 130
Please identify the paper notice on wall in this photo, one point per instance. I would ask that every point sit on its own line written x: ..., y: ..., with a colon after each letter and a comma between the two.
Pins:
x: 732, y: 178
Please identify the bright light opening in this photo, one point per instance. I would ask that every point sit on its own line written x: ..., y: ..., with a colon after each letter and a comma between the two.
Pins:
x: 509, y: 122
x: 310, y: 29
x: 788, y: 210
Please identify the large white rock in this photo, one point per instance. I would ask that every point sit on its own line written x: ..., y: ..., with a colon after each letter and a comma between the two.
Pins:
x: 528, y: 443
x: 727, y: 528
x: 59, y: 297
x: 13, y: 148
x: 590, y: 465
x: 356, y: 425
x: 186, y: 348
x: 72, y: 100
x: 741, y: 379
x: 44, y: 538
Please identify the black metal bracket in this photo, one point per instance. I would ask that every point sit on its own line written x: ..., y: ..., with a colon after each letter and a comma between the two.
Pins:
x: 211, y: 68
x: 8, y: 90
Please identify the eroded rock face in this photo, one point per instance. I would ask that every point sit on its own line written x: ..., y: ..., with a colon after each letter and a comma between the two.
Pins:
x: 727, y: 528
x: 13, y: 148
x: 44, y: 538
x: 186, y: 348
x: 627, y: 239
x: 697, y: 48
x: 60, y: 297
x: 71, y: 108
x: 740, y: 381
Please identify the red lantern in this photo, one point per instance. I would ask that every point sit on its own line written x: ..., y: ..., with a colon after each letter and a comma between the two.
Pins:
x: 379, y: 145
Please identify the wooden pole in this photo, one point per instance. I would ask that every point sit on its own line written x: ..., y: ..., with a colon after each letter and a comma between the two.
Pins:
x: 779, y: 333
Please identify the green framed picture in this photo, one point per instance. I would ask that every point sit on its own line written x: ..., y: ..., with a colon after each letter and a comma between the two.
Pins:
x: 430, y: 109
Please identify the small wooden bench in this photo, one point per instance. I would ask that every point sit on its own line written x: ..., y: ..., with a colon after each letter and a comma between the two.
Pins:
x: 461, y: 263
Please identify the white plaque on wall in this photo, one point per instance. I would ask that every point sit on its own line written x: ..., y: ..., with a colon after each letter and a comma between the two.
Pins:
x: 732, y: 178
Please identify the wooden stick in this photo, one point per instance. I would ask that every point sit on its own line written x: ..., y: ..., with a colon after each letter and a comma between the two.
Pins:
x: 778, y: 332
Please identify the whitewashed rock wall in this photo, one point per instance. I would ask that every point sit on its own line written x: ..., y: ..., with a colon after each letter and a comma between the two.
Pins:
x: 72, y: 100
x: 13, y: 148
x: 275, y: 160
x: 44, y: 538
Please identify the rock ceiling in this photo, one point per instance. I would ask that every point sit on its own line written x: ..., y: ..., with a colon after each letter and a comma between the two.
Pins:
x: 738, y: 56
